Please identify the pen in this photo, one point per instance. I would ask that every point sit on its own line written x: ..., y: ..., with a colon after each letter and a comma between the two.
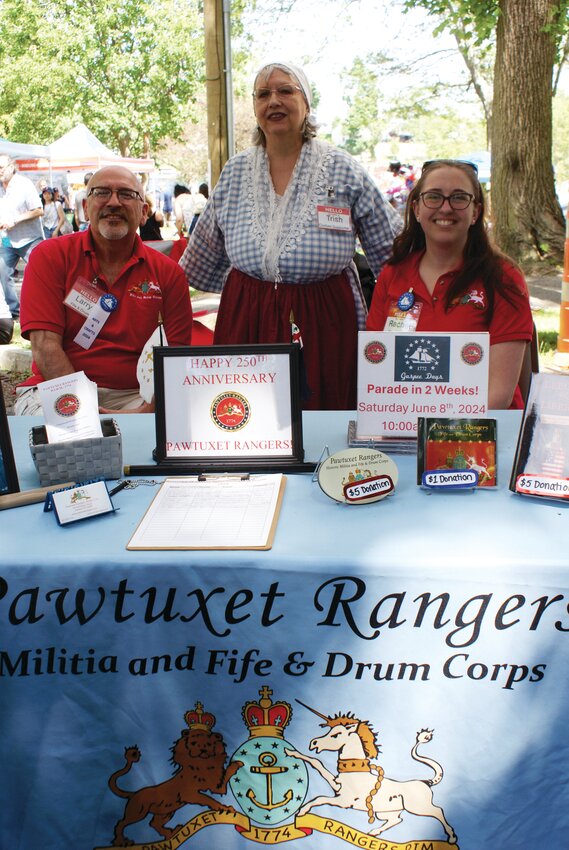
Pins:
x: 119, y: 487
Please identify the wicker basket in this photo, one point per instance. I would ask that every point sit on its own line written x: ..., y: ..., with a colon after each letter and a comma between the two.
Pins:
x: 78, y: 460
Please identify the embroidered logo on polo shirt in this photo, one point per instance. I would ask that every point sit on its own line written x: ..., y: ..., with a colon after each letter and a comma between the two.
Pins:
x: 146, y: 290
x: 476, y: 297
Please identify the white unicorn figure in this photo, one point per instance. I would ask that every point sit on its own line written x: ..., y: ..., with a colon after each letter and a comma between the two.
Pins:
x: 361, y: 785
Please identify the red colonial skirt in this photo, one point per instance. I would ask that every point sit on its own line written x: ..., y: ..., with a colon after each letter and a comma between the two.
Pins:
x: 258, y: 311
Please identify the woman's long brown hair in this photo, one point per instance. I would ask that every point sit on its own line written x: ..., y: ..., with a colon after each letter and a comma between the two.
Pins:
x: 482, y: 260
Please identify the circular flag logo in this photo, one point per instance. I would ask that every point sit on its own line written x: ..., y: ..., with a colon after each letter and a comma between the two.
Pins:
x: 375, y: 352
x: 67, y: 405
x: 230, y: 411
x: 471, y: 353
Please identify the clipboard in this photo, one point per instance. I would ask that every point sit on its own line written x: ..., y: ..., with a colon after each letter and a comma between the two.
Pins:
x: 212, y: 512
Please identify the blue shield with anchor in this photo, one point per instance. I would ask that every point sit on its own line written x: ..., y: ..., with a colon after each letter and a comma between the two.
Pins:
x: 271, y: 786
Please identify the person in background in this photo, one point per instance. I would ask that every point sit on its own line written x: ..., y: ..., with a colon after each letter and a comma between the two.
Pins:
x: 79, y: 218
x: 278, y: 236
x: 200, y: 199
x: 20, y: 226
x: 132, y: 285
x: 183, y: 208
x: 445, y: 275
x: 61, y: 198
x: 53, y: 216
x: 150, y: 229
x: 167, y: 205
x: 6, y: 322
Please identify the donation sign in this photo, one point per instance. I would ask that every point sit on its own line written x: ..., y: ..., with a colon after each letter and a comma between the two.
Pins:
x: 405, y: 375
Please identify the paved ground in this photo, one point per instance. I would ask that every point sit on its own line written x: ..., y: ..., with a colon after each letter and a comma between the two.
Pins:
x: 545, y: 291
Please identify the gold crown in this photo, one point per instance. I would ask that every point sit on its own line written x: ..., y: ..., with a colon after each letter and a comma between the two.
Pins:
x: 200, y: 719
x: 266, y: 718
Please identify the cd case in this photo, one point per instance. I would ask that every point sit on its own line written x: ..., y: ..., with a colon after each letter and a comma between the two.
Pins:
x: 458, y: 444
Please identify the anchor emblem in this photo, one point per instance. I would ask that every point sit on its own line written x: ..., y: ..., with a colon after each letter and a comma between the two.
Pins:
x: 268, y: 762
x: 271, y: 783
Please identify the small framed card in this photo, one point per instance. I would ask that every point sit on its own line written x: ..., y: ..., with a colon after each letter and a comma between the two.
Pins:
x: 83, y: 501
x: 228, y: 408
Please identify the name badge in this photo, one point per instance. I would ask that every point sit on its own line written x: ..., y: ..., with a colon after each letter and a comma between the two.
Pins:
x: 84, y: 296
x: 403, y: 320
x: 90, y: 300
x: 334, y: 218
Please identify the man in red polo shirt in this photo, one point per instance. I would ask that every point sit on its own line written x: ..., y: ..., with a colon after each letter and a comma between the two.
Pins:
x: 91, y: 300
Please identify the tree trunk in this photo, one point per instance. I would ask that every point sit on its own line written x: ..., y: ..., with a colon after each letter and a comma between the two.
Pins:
x: 526, y: 214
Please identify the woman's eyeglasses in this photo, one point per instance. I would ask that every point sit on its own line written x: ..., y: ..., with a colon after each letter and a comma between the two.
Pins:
x: 281, y: 91
x: 458, y: 200
x: 103, y: 193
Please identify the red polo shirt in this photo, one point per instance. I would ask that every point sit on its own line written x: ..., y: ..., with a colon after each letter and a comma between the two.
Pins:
x: 149, y: 284
x: 510, y: 320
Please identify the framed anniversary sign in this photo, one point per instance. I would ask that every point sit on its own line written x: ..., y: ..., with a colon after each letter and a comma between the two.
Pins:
x: 228, y: 408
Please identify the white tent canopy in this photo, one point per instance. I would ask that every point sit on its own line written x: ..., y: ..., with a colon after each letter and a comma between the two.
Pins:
x: 80, y: 150
x: 18, y: 150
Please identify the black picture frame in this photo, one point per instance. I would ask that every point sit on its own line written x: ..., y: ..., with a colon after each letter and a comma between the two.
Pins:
x: 8, y: 475
x: 200, y: 464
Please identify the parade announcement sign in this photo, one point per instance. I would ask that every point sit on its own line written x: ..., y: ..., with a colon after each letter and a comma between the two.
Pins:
x: 405, y: 375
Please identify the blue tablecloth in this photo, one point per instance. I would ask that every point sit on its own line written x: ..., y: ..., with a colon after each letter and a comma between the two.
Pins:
x: 426, y: 611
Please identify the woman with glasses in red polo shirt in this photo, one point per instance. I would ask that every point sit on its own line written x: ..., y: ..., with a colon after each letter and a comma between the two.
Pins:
x: 445, y: 275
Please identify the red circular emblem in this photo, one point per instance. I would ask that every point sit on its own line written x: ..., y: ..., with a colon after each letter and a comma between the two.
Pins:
x: 67, y: 404
x: 471, y: 353
x: 375, y: 352
x: 230, y: 411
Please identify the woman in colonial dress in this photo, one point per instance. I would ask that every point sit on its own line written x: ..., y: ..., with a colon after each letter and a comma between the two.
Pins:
x: 278, y: 237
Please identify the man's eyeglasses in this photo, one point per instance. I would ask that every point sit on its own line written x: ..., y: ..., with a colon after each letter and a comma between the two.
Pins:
x: 281, y: 91
x: 458, y: 200
x: 450, y: 162
x: 103, y: 193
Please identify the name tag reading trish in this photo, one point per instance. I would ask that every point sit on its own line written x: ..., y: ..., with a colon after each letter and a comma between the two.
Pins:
x: 334, y: 218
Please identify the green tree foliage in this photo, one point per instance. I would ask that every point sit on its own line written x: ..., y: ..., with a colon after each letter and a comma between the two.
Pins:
x: 129, y: 69
x: 444, y: 131
x: 561, y: 137
x: 530, y: 40
x: 361, y: 127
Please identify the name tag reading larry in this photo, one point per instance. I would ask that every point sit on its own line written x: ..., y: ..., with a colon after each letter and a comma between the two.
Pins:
x: 95, y: 304
x: 334, y: 218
